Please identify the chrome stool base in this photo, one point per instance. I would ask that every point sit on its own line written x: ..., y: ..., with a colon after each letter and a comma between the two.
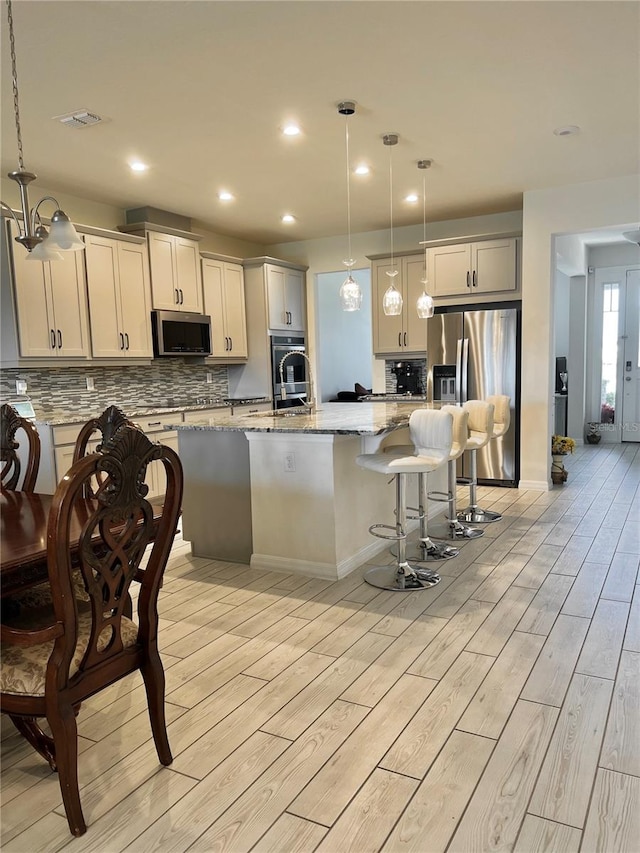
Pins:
x: 462, y: 531
x: 400, y: 579
x: 476, y: 515
x: 430, y: 552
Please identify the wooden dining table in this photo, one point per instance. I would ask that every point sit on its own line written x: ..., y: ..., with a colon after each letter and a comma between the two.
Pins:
x: 23, y: 537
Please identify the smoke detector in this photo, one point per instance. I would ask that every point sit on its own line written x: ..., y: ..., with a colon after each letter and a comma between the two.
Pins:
x: 78, y: 119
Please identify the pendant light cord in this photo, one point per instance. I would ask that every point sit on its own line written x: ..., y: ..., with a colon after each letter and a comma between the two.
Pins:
x: 424, y: 220
x: 391, y: 202
x: 346, y: 134
x: 14, y: 74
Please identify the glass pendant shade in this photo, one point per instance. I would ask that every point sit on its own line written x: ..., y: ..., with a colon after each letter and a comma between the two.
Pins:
x: 44, y: 251
x: 424, y: 306
x: 63, y: 235
x: 350, y: 294
x: 392, y: 301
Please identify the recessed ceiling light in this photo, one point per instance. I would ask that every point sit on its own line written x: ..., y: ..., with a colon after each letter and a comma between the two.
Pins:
x: 362, y: 169
x: 412, y: 198
x: 137, y: 166
x: 567, y: 130
x: 291, y: 129
x: 223, y: 195
x: 288, y: 218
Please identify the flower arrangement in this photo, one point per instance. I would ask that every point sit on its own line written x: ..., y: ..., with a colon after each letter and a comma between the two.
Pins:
x: 561, y: 445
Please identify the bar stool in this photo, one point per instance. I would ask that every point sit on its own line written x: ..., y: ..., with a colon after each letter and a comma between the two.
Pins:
x: 480, y: 433
x: 457, y: 530
x: 431, y: 436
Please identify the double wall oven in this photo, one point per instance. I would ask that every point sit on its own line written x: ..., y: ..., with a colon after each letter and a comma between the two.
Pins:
x: 294, y: 370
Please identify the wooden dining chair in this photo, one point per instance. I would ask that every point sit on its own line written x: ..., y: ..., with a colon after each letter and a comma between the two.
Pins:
x: 49, y: 672
x: 13, y: 478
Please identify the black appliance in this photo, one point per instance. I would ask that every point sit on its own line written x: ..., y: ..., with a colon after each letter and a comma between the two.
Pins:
x: 180, y: 333
x: 472, y: 354
x: 294, y: 370
x: 407, y: 377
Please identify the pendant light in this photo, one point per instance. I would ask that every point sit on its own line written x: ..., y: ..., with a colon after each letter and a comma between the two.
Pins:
x: 424, y: 304
x: 31, y: 234
x: 392, y: 299
x: 350, y: 291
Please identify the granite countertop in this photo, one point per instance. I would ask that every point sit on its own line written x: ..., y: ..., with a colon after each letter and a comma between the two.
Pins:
x: 329, y: 418
x: 60, y: 416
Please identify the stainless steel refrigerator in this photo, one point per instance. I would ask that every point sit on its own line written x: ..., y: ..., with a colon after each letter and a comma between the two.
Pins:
x: 470, y: 355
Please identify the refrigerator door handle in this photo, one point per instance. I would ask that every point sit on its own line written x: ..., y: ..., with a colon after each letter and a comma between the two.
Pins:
x: 458, y: 390
x: 464, y: 370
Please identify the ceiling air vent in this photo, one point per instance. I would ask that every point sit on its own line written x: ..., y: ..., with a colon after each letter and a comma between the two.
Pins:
x: 79, y: 118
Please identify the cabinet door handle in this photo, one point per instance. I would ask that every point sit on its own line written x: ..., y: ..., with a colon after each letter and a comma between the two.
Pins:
x: 53, y: 338
x: 177, y: 296
x: 126, y: 337
x: 226, y: 344
x: 399, y: 339
x: 468, y: 279
x: 181, y: 297
x: 230, y: 344
x: 475, y: 279
x: 121, y: 340
x: 153, y: 423
x: 405, y: 338
x: 59, y: 339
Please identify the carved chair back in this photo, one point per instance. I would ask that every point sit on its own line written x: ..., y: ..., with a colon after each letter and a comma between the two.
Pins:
x: 106, y: 425
x: 19, y: 470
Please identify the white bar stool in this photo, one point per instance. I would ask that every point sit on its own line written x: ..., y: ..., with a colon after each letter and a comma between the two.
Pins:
x: 431, y: 435
x: 480, y: 433
x: 457, y: 530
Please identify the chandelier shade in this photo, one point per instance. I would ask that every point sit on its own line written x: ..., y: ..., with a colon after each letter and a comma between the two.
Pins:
x: 31, y: 234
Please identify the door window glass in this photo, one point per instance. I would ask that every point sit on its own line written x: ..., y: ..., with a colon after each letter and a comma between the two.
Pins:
x: 610, y: 296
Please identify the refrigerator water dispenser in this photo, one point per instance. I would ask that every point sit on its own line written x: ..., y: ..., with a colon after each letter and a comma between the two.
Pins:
x: 444, y: 383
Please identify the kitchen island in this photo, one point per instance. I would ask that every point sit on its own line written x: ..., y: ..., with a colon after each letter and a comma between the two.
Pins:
x: 284, y: 492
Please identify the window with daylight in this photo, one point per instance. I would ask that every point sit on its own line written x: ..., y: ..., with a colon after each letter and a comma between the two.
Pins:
x: 610, y: 297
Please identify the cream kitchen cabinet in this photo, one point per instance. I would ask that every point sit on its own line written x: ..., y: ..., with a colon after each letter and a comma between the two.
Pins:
x: 406, y: 333
x: 174, y: 266
x: 467, y: 269
x: 224, y: 302
x: 176, y: 280
x: 119, y: 298
x: 285, y: 293
x: 50, y: 299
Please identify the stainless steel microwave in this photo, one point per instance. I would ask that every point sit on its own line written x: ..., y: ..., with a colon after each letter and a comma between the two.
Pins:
x: 180, y: 333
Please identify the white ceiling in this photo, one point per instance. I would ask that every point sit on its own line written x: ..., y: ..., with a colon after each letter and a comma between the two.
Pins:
x: 199, y: 90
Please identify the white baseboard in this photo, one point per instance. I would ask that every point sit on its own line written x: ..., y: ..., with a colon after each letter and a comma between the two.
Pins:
x: 535, y: 485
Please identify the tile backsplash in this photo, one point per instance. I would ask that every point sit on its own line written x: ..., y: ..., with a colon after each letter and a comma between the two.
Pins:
x: 53, y: 389
x: 390, y: 382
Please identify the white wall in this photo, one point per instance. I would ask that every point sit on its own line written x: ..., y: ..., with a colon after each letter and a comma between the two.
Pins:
x: 561, y: 314
x: 345, y: 339
x: 84, y: 212
x: 546, y: 214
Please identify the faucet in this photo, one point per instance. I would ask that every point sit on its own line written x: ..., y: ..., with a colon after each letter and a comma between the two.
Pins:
x: 311, y: 403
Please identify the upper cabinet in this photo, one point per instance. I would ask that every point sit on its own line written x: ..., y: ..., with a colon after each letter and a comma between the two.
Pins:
x: 405, y: 333
x: 50, y: 301
x: 174, y: 265
x: 119, y: 298
x: 223, y: 292
x: 466, y: 269
x: 285, y: 295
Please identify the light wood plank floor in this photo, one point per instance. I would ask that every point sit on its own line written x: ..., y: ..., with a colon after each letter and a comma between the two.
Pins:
x: 497, y: 711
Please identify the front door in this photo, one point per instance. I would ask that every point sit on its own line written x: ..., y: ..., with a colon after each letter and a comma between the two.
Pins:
x: 630, y: 353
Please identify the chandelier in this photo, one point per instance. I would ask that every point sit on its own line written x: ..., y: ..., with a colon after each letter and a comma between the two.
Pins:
x: 41, y: 245
x: 350, y: 291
